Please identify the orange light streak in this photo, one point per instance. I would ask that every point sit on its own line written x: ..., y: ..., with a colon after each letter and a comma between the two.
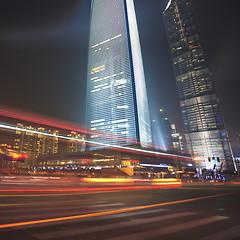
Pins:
x: 166, y: 180
x: 106, y: 180
x: 168, y: 183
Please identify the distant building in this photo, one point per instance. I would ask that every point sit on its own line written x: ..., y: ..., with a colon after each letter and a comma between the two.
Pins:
x: 161, y: 130
x: 176, y: 139
x: 165, y: 127
x: 73, y: 144
x: 35, y: 141
x: 117, y: 103
x: 206, y: 135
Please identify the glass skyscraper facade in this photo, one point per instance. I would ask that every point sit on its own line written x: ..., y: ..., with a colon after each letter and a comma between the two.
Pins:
x: 204, y: 126
x: 117, y: 102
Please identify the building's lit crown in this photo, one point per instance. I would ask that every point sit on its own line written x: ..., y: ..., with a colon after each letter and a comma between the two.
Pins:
x: 168, y: 5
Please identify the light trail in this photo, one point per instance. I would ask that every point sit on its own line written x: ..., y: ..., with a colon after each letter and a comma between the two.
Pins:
x: 154, y: 165
x: 126, y: 180
x: 134, y: 150
x: 165, y: 180
x: 47, y: 121
x: 56, y: 194
x: 39, y: 119
x: 108, y: 180
x: 89, y: 215
x: 178, y: 183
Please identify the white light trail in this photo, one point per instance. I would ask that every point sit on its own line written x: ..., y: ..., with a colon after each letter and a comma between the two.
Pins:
x: 154, y: 165
x: 10, y: 127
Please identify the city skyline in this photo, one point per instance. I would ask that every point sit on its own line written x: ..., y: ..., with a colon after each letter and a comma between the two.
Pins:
x: 24, y: 91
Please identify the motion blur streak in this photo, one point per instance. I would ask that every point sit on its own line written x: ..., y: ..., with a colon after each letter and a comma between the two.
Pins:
x: 168, y: 183
x: 36, y: 118
x: 140, y: 151
x: 107, y: 212
x: 166, y: 180
x: 178, y: 184
x: 105, y: 180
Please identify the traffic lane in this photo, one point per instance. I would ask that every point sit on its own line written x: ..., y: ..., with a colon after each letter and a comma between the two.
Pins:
x: 24, y: 196
x: 180, y: 215
x: 130, y: 197
x: 52, y: 206
x: 175, y: 223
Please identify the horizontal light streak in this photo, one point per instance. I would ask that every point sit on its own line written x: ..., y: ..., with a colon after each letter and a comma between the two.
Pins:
x: 80, y: 191
x: 153, y: 165
x: 39, y: 119
x: 166, y: 180
x: 177, y: 184
x: 106, y: 180
x: 123, y: 180
x: 10, y: 127
x: 47, y: 121
x: 107, y: 212
x: 55, y: 123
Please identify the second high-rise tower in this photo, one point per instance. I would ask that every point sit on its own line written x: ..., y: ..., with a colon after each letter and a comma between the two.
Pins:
x: 204, y: 126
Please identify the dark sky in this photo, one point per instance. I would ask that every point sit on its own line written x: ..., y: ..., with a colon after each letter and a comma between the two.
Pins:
x: 43, y: 57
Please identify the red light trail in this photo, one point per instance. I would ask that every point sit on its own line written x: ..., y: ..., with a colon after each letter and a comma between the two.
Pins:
x: 34, y: 118
x: 121, y: 148
x: 47, y: 121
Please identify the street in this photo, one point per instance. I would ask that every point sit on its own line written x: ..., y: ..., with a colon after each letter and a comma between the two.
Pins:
x: 193, y: 211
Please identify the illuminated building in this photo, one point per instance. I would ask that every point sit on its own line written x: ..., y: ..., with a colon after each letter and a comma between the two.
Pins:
x: 206, y: 135
x: 176, y: 139
x: 165, y: 126
x: 110, y: 158
x: 73, y: 144
x: 36, y: 141
x: 117, y: 102
x: 25, y: 141
x: 161, y: 131
x: 35, y: 144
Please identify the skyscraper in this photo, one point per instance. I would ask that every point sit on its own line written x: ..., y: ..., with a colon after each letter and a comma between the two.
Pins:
x: 177, y: 139
x: 204, y: 126
x: 117, y: 102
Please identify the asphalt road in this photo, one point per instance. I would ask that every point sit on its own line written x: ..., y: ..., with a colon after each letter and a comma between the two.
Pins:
x: 191, y: 212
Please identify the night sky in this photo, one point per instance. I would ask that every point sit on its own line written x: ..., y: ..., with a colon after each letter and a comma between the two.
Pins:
x: 44, y: 47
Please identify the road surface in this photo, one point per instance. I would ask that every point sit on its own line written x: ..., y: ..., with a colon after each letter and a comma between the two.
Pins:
x: 35, y: 210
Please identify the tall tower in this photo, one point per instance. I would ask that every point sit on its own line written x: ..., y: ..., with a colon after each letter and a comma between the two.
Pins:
x: 204, y: 126
x: 117, y: 102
